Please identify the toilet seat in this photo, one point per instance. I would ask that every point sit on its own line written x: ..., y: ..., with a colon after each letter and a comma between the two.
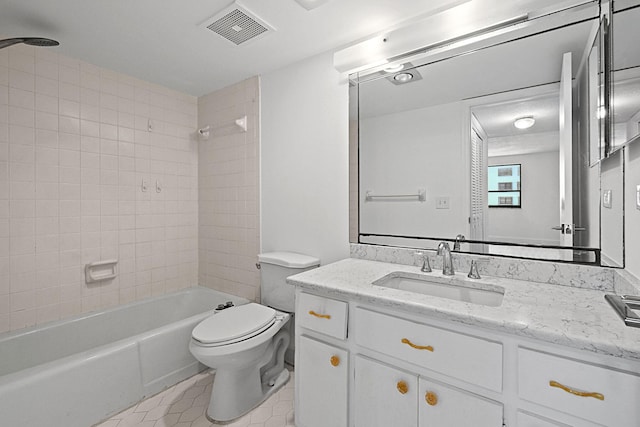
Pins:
x: 234, y: 324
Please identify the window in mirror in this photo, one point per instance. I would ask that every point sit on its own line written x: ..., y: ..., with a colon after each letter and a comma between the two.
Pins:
x: 504, y: 186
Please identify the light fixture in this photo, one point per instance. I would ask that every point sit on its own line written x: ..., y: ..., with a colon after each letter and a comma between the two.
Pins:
x: 524, y: 122
x: 394, y: 68
x: 311, y: 4
x: 403, y: 77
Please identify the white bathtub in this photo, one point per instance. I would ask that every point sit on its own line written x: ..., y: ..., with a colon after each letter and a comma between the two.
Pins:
x: 79, y: 371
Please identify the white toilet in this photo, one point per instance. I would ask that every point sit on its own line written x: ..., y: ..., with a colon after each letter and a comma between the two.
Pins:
x: 246, y: 344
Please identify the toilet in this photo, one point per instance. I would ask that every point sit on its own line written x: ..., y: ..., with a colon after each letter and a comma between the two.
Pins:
x: 246, y: 344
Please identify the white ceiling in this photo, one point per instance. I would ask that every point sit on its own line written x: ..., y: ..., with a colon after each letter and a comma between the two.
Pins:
x: 165, y: 42
x: 497, y: 119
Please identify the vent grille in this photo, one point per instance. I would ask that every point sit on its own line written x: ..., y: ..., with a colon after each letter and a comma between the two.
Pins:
x: 238, y: 26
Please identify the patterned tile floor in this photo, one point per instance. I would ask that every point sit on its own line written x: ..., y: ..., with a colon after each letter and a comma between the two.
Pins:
x: 184, y: 405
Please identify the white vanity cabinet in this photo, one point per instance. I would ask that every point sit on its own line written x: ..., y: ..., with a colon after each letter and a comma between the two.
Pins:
x: 386, y: 396
x: 321, y: 373
x: 322, y: 365
x: 409, y: 370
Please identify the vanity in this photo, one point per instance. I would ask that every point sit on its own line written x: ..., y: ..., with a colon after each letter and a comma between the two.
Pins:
x: 502, y: 129
x: 371, y: 352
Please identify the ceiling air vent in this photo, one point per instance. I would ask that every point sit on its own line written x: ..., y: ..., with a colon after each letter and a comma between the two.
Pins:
x: 238, y: 25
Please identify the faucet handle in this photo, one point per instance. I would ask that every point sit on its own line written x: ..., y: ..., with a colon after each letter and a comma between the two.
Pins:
x: 426, y: 268
x: 473, y: 271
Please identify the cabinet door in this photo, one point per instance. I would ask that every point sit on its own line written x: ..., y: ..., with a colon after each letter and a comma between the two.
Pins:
x: 528, y: 420
x: 444, y: 406
x: 321, y: 384
x: 384, y: 396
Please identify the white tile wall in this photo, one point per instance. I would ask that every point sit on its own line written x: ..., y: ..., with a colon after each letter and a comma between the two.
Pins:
x: 75, y: 146
x: 228, y: 191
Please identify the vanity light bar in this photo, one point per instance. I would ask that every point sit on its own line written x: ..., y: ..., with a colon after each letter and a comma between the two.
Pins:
x: 471, y: 18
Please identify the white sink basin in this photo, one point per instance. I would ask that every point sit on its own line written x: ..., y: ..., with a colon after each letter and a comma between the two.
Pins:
x: 444, y: 287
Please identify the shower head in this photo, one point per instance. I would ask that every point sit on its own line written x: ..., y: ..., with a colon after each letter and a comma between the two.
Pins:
x: 33, y: 41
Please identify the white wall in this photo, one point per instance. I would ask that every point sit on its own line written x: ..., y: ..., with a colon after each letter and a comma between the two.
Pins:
x: 632, y: 214
x: 540, y: 201
x: 413, y: 150
x: 304, y: 160
x: 611, y: 229
x: 74, y: 149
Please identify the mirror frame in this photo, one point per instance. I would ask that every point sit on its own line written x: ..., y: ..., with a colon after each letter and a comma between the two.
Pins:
x: 595, y: 254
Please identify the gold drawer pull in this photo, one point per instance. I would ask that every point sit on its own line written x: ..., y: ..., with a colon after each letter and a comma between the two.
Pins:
x: 335, y: 360
x: 321, y: 316
x: 417, y: 347
x: 598, y: 396
x: 402, y: 387
x: 431, y: 398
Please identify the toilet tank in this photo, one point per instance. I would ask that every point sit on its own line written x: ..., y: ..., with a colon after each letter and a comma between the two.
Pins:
x: 275, y: 267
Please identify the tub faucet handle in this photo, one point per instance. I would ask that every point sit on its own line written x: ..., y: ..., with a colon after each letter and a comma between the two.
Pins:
x: 473, y: 271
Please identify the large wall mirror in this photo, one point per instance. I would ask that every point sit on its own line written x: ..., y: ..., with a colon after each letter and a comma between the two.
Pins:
x: 500, y: 140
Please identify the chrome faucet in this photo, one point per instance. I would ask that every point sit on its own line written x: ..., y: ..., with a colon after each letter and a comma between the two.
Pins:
x: 456, y: 244
x: 447, y: 261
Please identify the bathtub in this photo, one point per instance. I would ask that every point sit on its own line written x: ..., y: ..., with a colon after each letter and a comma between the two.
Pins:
x: 79, y: 371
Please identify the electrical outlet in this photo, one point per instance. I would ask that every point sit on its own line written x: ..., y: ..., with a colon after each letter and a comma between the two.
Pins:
x: 442, y: 203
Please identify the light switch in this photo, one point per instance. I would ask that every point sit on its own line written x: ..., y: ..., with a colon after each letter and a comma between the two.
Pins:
x: 442, y: 203
x: 637, y: 196
x: 606, y: 199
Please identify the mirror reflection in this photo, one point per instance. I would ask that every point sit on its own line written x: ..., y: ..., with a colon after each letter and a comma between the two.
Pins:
x: 492, y: 144
x: 626, y: 76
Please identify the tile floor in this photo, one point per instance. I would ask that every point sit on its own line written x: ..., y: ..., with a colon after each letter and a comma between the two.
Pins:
x: 184, y: 405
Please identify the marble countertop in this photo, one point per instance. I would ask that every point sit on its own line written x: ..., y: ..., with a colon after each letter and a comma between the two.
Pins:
x: 574, y: 317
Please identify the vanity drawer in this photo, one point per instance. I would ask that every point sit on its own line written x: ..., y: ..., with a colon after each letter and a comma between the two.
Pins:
x: 474, y: 360
x: 591, y: 392
x: 324, y: 315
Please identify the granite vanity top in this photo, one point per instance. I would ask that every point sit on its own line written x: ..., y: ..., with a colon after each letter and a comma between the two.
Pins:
x: 574, y: 317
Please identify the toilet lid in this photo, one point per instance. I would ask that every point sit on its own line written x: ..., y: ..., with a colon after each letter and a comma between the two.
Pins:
x: 233, y: 323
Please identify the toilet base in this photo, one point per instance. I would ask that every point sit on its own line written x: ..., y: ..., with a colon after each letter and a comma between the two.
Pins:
x: 267, y: 391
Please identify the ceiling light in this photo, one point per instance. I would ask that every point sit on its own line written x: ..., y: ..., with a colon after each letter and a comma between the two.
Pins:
x: 403, y: 77
x: 311, y: 4
x: 394, y: 68
x: 524, y: 122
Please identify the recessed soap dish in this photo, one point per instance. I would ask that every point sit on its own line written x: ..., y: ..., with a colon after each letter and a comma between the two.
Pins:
x: 624, y: 306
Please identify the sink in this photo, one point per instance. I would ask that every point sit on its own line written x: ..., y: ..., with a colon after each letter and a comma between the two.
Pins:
x: 453, y: 288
